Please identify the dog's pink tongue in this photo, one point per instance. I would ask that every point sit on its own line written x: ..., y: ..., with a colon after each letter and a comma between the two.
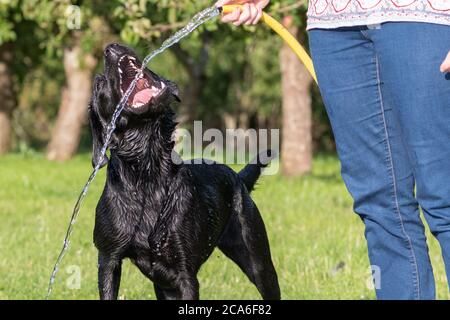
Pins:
x: 143, y: 96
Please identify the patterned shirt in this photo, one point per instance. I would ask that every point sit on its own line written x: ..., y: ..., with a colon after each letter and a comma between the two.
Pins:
x: 330, y: 14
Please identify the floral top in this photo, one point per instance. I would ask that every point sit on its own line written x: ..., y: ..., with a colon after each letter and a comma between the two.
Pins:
x: 345, y: 13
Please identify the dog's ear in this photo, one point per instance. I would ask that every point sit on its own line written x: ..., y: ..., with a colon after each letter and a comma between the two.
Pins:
x: 174, y: 90
x: 98, y: 127
x: 97, y: 130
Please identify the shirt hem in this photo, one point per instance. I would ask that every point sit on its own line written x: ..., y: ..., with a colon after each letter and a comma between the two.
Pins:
x: 373, y: 20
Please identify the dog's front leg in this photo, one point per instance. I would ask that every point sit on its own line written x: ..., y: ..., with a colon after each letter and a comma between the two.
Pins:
x: 189, y: 289
x: 109, y: 272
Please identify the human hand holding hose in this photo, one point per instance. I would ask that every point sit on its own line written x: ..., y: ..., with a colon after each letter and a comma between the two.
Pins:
x: 250, y: 13
x: 243, y: 11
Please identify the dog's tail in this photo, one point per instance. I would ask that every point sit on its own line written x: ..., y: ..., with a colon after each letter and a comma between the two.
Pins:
x: 251, y: 173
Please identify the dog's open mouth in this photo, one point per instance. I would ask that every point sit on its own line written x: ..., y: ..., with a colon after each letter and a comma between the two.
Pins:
x: 146, y: 90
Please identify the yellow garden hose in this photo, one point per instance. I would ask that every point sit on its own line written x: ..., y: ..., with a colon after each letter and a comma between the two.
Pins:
x: 286, y: 35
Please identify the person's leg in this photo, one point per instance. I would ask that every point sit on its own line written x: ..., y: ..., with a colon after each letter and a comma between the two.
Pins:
x: 375, y: 165
x: 410, y: 56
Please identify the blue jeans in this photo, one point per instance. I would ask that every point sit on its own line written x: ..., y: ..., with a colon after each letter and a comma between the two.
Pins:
x: 389, y: 107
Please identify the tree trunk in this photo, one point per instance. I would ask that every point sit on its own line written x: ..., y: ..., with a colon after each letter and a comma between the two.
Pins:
x: 7, y: 98
x: 75, y: 97
x: 296, y: 147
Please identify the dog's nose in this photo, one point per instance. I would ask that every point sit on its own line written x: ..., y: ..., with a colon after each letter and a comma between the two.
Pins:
x: 112, y: 49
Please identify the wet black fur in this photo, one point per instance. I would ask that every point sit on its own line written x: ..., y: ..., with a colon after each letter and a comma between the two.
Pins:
x: 167, y: 217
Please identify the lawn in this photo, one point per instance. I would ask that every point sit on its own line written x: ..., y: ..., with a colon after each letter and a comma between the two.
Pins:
x: 317, y: 242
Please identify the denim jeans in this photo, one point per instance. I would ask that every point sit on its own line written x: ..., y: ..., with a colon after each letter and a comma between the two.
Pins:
x: 389, y: 106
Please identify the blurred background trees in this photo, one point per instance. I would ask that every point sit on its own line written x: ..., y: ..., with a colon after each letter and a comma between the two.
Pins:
x: 229, y: 77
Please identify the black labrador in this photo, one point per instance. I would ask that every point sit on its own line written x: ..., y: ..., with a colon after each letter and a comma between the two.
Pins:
x: 167, y: 216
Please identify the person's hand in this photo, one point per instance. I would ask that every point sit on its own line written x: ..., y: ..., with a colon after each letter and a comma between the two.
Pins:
x: 445, y: 66
x: 250, y: 13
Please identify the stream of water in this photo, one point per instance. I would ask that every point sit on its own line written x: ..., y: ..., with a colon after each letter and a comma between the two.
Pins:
x: 199, y: 19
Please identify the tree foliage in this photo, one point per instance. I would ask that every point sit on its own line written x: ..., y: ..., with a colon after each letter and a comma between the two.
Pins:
x: 238, y: 68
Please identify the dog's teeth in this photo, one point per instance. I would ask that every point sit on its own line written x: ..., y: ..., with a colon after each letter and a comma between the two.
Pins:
x: 163, y: 85
x: 137, y: 105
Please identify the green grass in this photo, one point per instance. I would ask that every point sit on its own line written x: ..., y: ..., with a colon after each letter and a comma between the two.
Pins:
x: 310, y: 223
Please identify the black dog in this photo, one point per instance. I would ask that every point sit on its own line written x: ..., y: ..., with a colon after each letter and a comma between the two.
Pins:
x: 167, y: 217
